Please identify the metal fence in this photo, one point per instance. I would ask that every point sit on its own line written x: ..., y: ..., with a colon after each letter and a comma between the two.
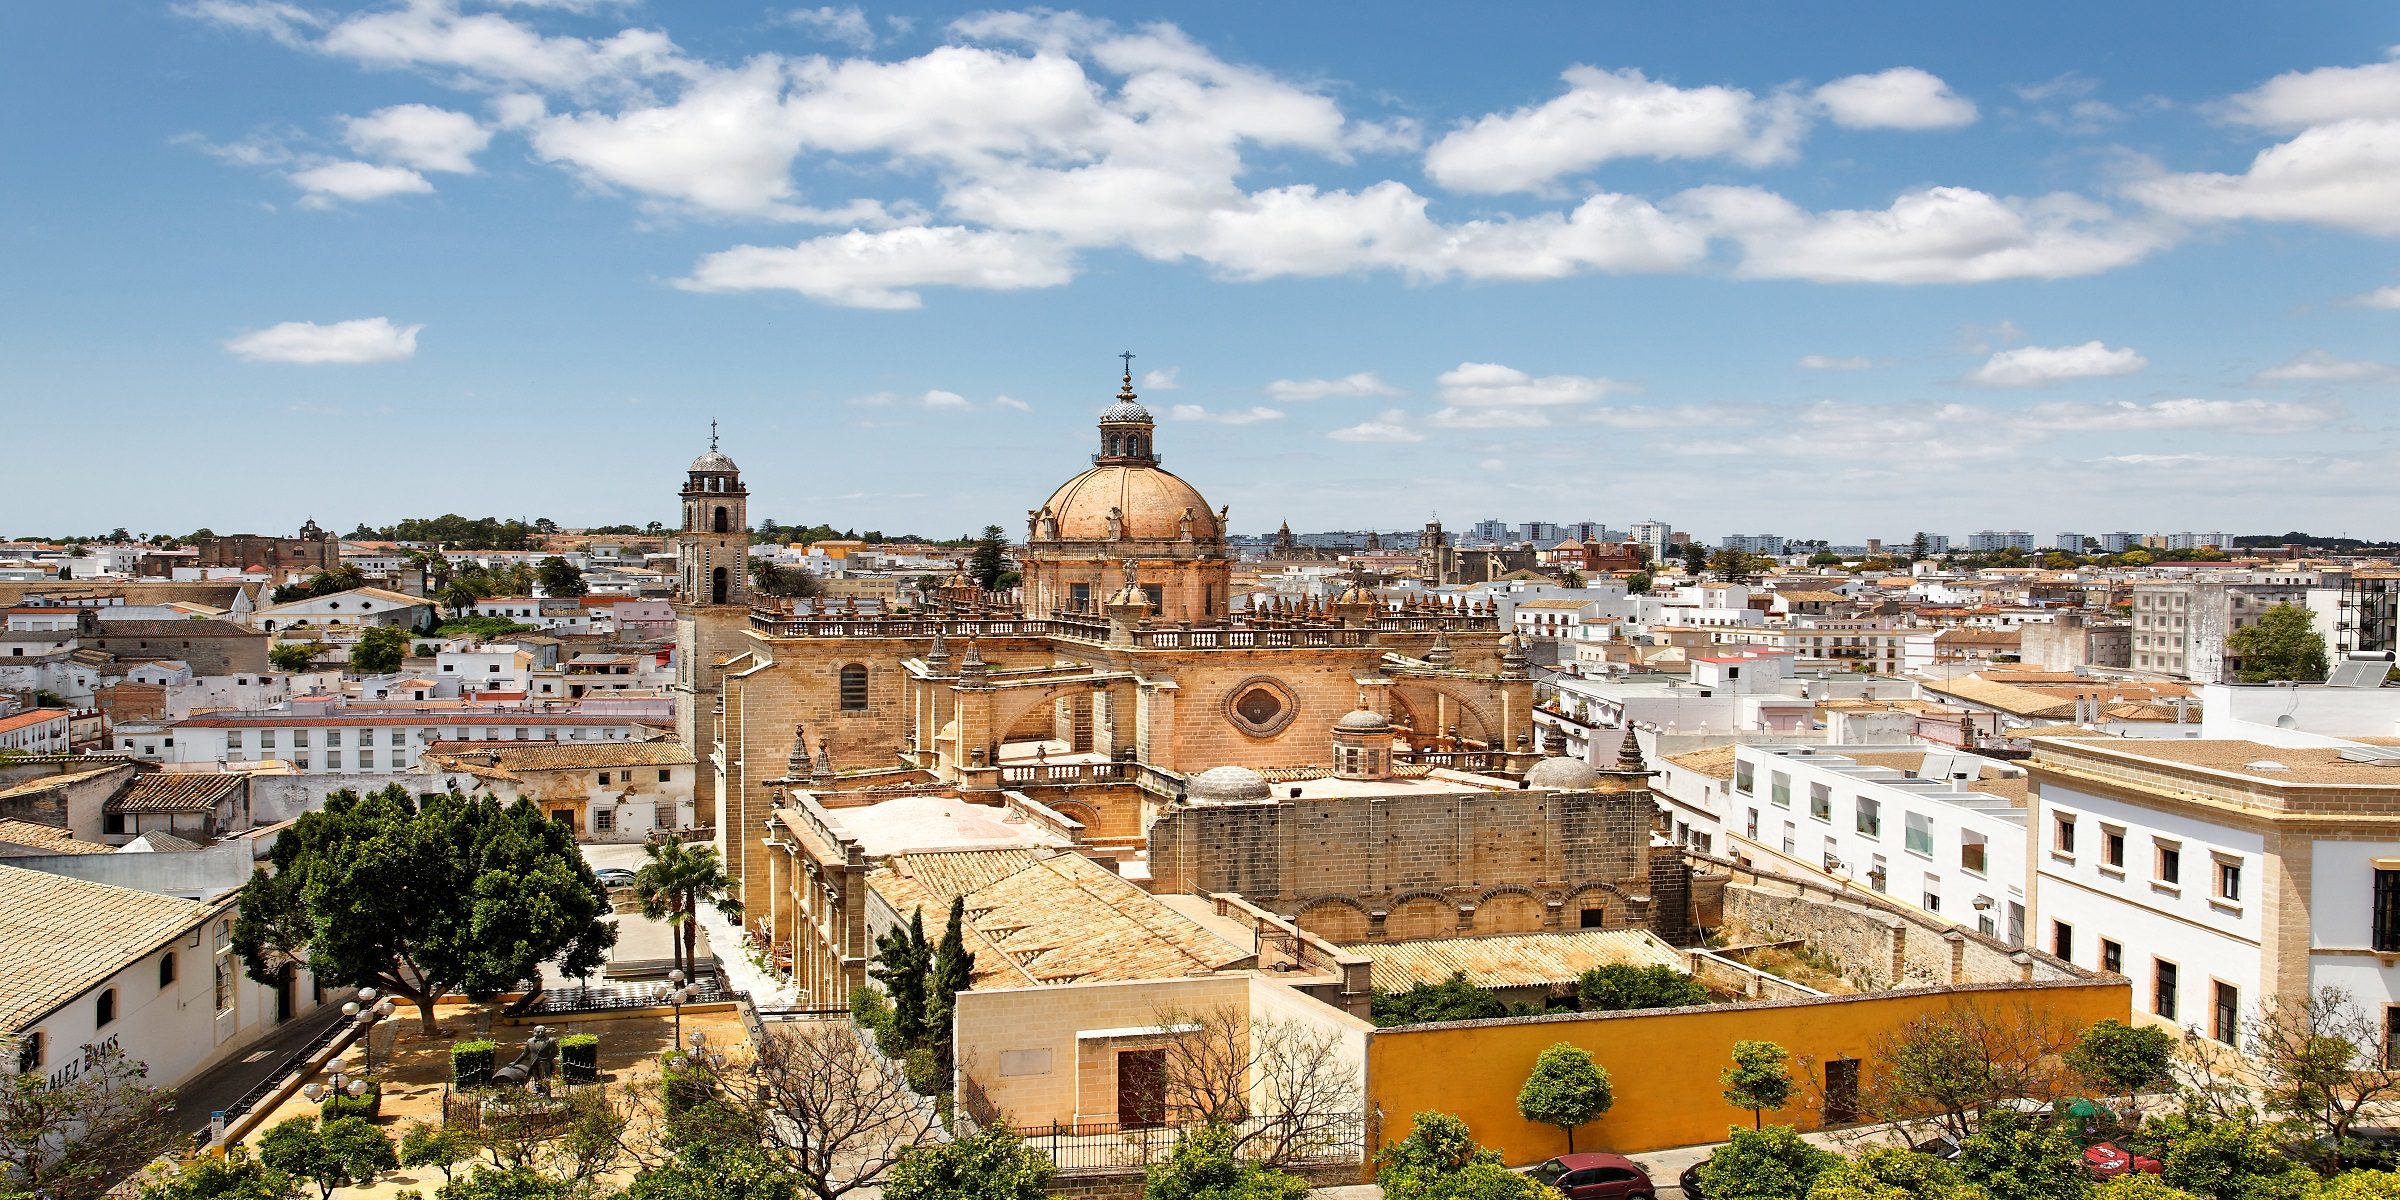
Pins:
x: 610, y: 997
x: 1101, y: 1147
x: 292, y: 1062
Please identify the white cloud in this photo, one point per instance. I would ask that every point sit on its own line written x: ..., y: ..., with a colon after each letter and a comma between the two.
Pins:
x: 1362, y: 383
x: 937, y: 400
x: 1491, y: 385
x: 2296, y: 100
x: 2040, y: 366
x: 1935, y: 235
x: 725, y: 145
x: 1390, y: 427
x: 1454, y: 417
x: 1247, y: 416
x: 2317, y: 366
x: 370, y: 340
x: 2130, y: 416
x: 419, y: 136
x: 488, y: 49
x: 1161, y: 380
x: 1832, y: 362
x: 356, y: 181
x: 880, y: 270
x: 1612, y: 114
x: 289, y: 24
x: 2382, y: 297
x: 1900, y: 98
x: 2345, y: 175
x: 846, y: 24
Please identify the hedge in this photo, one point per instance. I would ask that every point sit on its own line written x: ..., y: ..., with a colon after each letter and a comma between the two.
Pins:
x: 471, y: 1064
x: 337, y: 1105
x: 579, y: 1057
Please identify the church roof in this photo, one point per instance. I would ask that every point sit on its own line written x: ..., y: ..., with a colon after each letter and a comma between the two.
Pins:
x: 1150, y: 503
x: 715, y: 463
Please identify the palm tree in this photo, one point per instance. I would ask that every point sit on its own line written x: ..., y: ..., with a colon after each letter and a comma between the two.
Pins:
x: 673, y: 885
x: 460, y: 596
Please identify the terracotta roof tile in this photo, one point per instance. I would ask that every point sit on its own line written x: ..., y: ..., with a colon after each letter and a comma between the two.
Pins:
x: 60, y: 937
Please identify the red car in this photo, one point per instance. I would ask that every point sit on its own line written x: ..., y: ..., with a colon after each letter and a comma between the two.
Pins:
x: 2108, y: 1160
x: 1596, y: 1177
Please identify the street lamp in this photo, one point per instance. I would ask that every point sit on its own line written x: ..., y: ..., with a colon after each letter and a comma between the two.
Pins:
x: 679, y: 994
x: 367, y: 1010
x: 338, y: 1079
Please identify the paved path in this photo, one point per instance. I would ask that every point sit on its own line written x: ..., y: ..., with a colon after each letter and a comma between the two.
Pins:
x: 226, y: 1082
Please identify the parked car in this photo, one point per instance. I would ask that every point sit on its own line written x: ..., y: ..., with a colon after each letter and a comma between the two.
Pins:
x: 1596, y: 1177
x: 614, y: 877
x: 2108, y: 1160
x: 2368, y: 1148
x: 1941, y: 1146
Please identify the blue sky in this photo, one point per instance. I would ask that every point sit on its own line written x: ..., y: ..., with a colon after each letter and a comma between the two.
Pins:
x: 1738, y: 267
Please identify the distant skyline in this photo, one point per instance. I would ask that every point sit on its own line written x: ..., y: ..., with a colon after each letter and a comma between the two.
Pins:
x: 1825, y: 273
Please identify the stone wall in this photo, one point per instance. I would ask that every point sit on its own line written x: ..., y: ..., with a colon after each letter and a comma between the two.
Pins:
x: 1878, y: 947
x: 1419, y: 865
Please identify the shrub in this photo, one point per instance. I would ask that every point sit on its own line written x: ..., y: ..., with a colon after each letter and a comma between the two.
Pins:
x: 1618, y: 987
x: 1773, y: 1163
x: 579, y: 1057
x: 992, y: 1165
x: 1203, y: 1166
x: 923, y: 1070
x: 368, y: 1104
x: 471, y: 1064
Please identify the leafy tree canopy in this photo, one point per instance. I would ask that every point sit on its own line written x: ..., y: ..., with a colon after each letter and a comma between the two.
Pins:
x: 1453, y: 999
x: 1760, y: 1078
x: 1774, y: 1163
x: 1618, y: 987
x: 2282, y: 645
x: 991, y: 1165
x: 1203, y: 1166
x: 1567, y: 1088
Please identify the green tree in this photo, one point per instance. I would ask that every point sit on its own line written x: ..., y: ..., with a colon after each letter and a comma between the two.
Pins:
x: 904, y: 966
x: 2122, y: 1058
x: 233, y: 1175
x: 1891, y: 1173
x: 2143, y: 1187
x: 423, y: 897
x: 769, y: 579
x: 2349, y: 1185
x: 1637, y: 583
x: 460, y: 594
x: 291, y: 658
x: 341, y: 1152
x: 1203, y: 1166
x: 1567, y: 1088
x: 715, y: 1170
x: 990, y: 559
x: 951, y: 971
x: 1774, y: 1163
x: 1570, y: 578
x: 1453, y: 999
x: 2282, y: 645
x: 1824, y: 558
x: 1760, y: 1079
x: 2018, y: 1157
x: 990, y: 1165
x: 1735, y: 565
x: 2232, y: 1156
x: 558, y: 577
x: 674, y: 881
x: 436, y: 1145
x: 70, y: 1139
x: 1619, y: 987
x: 379, y: 650
x: 512, y: 1183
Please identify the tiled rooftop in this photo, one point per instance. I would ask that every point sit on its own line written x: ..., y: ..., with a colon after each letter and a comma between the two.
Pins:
x: 59, y: 937
x: 1514, y: 960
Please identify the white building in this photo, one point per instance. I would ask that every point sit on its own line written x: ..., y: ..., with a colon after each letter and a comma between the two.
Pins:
x: 358, y: 607
x: 1752, y: 543
x: 1990, y: 541
x: 496, y: 668
x: 359, y: 739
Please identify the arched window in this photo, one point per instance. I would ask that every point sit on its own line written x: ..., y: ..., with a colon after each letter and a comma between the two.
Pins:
x: 107, y: 1009
x: 719, y: 586
x: 854, y: 688
x: 723, y: 522
x: 166, y: 971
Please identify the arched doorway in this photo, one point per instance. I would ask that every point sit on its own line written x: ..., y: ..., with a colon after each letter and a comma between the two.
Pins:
x: 720, y: 585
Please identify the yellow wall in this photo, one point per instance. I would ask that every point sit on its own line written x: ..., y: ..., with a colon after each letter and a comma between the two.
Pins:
x: 1664, y: 1065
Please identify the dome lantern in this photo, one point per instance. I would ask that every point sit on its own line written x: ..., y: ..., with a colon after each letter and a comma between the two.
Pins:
x: 1126, y: 428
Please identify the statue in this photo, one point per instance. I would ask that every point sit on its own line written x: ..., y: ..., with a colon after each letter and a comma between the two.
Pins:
x: 1116, y: 523
x: 1183, y: 524
x: 1049, y: 523
x: 1033, y: 523
x: 533, y: 1066
x: 1224, y: 521
x: 1132, y: 581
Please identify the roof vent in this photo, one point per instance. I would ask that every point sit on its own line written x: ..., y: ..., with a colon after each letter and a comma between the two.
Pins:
x: 2265, y: 764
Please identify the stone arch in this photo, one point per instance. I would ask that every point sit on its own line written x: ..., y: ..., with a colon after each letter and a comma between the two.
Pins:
x: 1337, y: 919
x: 1510, y: 909
x: 1077, y: 810
x: 1607, y: 897
x: 1014, y: 707
x: 1478, y: 720
x: 1420, y: 915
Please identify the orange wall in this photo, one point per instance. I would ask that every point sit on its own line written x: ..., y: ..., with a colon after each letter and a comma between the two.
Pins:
x: 1663, y: 1065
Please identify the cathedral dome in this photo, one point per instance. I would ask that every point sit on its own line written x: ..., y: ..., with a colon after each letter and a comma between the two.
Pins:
x: 713, y: 463
x: 1226, y: 785
x: 1561, y: 775
x: 1124, y: 412
x: 1363, y: 720
x: 1150, y: 503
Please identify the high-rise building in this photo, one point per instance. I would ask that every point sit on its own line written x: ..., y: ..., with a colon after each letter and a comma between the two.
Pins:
x: 1752, y: 543
x: 2071, y: 543
x: 2119, y: 542
x: 1990, y: 541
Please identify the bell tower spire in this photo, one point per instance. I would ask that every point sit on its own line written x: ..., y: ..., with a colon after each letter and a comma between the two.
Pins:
x: 1126, y: 428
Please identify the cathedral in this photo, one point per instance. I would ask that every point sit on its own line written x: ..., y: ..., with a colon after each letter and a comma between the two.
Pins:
x: 1121, y: 669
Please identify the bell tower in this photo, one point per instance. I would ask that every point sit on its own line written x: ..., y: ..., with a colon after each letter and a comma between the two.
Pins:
x: 712, y: 605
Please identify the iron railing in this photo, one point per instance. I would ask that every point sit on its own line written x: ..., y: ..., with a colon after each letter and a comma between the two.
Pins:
x: 291, y: 1063
x: 613, y: 997
x: 1101, y: 1147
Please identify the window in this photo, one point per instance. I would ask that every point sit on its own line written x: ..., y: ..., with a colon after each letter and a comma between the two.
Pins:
x: 2229, y: 881
x: 2387, y: 911
x: 1592, y: 918
x: 106, y: 1011
x: 1870, y: 817
x: 1820, y: 801
x: 604, y: 819
x: 1920, y: 834
x: 1973, y: 850
x: 2225, y: 1014
x: 1779, y: 789
x: 2162, y: 988
x: 666, y: 775
x: 2112, y: 846
x: 1745, y: 778
x: 1879, y: 876
x: 166, y: 971
x: 854, y: 688
x: 2170, y: 863
x: 1753, y: 833
x: 1791, y: 840
x: 2062, y: 940
x: 603, y: 776
x: 2062, y: 835
x: 224, y: 984
x: 32, y: 1051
